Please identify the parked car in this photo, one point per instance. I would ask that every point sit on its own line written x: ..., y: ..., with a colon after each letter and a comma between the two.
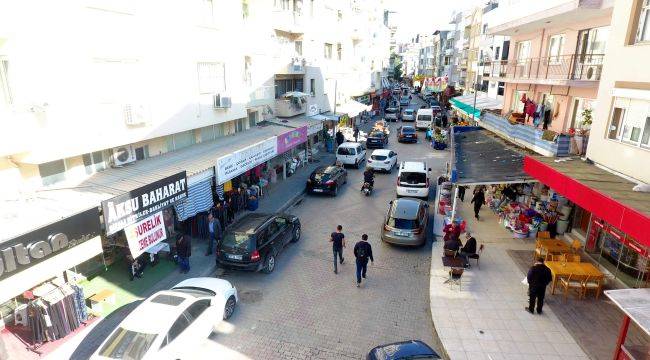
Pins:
x: 376, y: 139
x: 404, y: 350
x: 404, y: 101
x: 391, y: 114
x: 407, y: 134
x: 382, y: 160
x: 406, y: 222
x: 254, y: 241
x: 327, y: 179
x: 167, y: 322
x: 408, y: 115
x: 413, y: 179
x: 351, y: 153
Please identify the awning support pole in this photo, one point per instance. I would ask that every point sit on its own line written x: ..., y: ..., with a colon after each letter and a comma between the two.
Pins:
x: 453, y: 207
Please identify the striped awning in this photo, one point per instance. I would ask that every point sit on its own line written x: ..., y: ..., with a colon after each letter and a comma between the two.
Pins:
x: 199, y: 199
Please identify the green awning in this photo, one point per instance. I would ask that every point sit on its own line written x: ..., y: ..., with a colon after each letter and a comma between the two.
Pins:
x: 468, y: 104
x: 467, y: 109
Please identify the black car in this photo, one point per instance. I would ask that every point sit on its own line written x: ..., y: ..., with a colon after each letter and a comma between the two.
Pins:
x: 407, y: 134
x: 327, y: 179
x: 412, y: 349
x: 376, y: 139
x: 254, y: 241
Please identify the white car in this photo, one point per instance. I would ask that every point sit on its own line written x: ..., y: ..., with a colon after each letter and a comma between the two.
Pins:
x: 351, y: 153
x: 382, y: 160
x: 170, y: 321
x: 413, y: 179
x: 408, y: 115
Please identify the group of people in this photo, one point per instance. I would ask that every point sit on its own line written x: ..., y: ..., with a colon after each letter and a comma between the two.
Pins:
x: 362, y: 253
x: 453, y: 243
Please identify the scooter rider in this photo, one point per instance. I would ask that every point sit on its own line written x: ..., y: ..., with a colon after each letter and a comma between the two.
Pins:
x: 369, y: 177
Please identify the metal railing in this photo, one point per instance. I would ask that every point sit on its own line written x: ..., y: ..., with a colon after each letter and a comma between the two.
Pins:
x: 564, y: 67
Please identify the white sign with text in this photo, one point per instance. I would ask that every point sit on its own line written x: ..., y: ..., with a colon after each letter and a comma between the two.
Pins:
x: 145, y: 233
x: 238, y: 162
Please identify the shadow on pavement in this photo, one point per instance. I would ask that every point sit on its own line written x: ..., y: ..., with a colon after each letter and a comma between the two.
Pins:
x: 101, y: 331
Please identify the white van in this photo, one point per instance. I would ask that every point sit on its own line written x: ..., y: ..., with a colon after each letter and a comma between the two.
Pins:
x: 413, y: 179
x: 423, y: 119
x: 351, y: 153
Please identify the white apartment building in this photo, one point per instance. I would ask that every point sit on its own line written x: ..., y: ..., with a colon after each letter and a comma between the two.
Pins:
x: 492, y: 48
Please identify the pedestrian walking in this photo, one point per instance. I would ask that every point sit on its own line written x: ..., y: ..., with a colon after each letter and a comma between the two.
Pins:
x: 356, y: 133
x: 214, y: 232
x: 461, y: 193
x: 539, y: 276
x: 340, y: 139
x: 478, y: 200
x: 337, y: 239
x: 362, y: 252
x: 184, y: 251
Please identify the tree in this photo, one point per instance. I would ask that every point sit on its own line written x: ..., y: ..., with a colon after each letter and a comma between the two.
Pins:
x: 396, y: 60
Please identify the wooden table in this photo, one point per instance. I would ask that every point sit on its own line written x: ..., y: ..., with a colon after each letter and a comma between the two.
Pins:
x: 561, y: 268
x: 554, y: 246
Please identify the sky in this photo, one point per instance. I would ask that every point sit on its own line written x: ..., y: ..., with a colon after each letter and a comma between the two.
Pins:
x: 415, y: 16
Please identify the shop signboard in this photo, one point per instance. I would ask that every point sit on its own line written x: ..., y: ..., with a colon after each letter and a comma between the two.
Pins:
x: 27, y: 250
x: 291, y: 139
x: 129, y: 208
x: 238, y: 162
x: 145, y: 233
x: 314, y: 128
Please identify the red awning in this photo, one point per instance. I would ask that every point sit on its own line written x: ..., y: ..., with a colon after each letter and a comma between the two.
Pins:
x: 607, y: 196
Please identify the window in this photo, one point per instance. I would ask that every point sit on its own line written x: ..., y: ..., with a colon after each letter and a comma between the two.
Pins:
x: 630, y: 121
x: 273, y: 229
x: 523, y: 51
x: 298, y: 46
x: 93, y: 162
x: 484, y: 30
x: 52, y: 172
x: 212, y: 78
x: 501, y: 88
x: 312, y: 87
x: 177, y: 328
x: 283, y: 86
x: 281, y: 222
x: 195, y: 310
x: 240, y: 125
x: 496, y: 53
x: 339, y: 50
x: 579, y: 106
x: 328, y: 51
x: 555, y: 48
x: 5, y: 90
x: 247, y: 71
x: 484, y: 85
x: 592, y: 42
x: 643, y: 31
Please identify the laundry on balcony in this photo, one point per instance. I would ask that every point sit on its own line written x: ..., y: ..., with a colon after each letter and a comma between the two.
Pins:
x: 467, y: 105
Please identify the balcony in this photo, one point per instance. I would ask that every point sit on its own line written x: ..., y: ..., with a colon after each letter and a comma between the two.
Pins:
x: 574, y: 70
x: 288, y: 21
x: 449, y: 52
x: 288, y: 107
x: 525, y: 135
x: 294, y: 65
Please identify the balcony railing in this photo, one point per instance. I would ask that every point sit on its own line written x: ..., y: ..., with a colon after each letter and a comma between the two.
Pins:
x: 564, y: 67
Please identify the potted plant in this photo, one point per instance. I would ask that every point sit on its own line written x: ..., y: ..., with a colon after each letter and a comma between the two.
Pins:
x: 582, y: 134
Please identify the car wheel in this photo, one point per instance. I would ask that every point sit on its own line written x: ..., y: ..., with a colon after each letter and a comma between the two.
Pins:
x: 296, y: 234
x: 335, y: 191
x: 356, y: 164
x: 229, y: 309
x: 269, y: 264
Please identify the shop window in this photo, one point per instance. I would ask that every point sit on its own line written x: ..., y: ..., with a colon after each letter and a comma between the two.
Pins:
x: 621, y: 256
x: 52, y: 172
x: 142, y: 152
x: 212, y: 78
x: 328, y: 51
x: 643, y: 31
x: 93, y: 162
x: 630, y: 121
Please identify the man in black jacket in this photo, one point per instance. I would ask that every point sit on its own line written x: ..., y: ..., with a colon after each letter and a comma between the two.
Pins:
x: 539, y: 276
x: 363, y: 252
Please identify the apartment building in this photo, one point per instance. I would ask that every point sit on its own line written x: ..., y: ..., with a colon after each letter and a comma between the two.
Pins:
x: 492, y: 48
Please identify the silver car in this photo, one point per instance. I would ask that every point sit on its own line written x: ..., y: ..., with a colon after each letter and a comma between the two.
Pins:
x: 408, y: 115
x: 406, y: 222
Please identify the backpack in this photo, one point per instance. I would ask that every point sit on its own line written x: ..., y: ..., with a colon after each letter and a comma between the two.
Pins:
x: 361, y: 252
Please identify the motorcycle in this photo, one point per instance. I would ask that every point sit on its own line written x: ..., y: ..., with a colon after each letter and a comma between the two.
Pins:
x: 366, y: 189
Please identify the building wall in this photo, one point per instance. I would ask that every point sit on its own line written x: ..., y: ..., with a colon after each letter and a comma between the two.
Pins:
x: 625, y: 69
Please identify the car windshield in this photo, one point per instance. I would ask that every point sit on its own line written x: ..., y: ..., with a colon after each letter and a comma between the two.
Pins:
x: 424, y: 118
x: 345, y: 151
x: 390, y: 111
x: 413, y: 178
x: 127, y: 344
x: 408, y: 112
x: 379, y: 157
x: 377, y: 134
x: 321, y: 177
x: 408, y: 130
x: 402, y: 223
x: 237, y: 241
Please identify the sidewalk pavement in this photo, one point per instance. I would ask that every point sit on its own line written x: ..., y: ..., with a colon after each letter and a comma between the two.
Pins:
x: 486, y: 318
x: 278, y: 197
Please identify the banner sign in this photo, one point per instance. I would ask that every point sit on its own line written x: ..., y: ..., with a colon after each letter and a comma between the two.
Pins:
x: 238, y: 162
x: 145, y: 233
x: 27, y: 250
x: 291, y: 139
x: 128, y: 208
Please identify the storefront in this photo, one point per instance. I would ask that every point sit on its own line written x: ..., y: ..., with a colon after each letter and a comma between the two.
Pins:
x: 291, y: 147
x: 42, y: 268
x: 617, y: 235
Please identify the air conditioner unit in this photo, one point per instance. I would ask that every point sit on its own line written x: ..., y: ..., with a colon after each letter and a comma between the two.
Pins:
x: 592, y: 72
x: 220, y: 102
x: 123, y: 155
x: 134, y: 114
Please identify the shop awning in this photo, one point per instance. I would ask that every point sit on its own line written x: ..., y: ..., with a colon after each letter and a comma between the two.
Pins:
x: 635, y: 303
x: 480, y: 158
x: 326, y: 117
x: 598, y: 191
x: 465, y: 104
x: 352, y: 108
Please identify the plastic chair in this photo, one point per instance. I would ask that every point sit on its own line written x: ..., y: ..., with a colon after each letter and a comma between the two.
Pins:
x: 576, y: 245
x: 455, y: 275
x: 477, y: 255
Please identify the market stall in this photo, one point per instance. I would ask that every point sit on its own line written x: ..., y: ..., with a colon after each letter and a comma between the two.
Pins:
x: 635, y: 305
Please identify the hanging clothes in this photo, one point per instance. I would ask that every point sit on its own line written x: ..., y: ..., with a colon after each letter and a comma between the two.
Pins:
x: 539, y: 113
x: 547, y: 118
